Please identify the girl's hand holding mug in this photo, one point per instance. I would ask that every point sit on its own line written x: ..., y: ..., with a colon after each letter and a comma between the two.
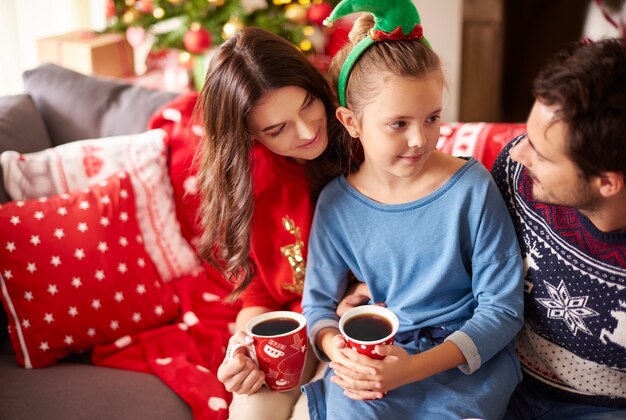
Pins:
x: 352, y: 371
x: 366, y: 332
x: 377, y: 377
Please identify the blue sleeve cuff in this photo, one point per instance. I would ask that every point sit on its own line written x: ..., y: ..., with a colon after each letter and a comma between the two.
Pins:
x: 469, y: 350
x: 315, y: 329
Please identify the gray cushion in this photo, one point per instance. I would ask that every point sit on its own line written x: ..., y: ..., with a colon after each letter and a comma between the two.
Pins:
x: 74, y: 390
x: 21, y: 129
x: 75, y: 106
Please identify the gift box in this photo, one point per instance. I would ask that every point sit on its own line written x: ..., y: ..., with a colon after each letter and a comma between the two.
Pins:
x: 88, y: 52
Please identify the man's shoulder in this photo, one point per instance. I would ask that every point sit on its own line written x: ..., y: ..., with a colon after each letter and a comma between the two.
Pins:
x: 503, y: 164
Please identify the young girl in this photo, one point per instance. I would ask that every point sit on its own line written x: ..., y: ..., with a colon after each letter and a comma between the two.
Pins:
x: 428, y: 233
x: 266, y: 113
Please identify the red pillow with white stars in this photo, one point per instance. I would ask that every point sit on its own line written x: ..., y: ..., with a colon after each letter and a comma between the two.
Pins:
x: 74, y: 273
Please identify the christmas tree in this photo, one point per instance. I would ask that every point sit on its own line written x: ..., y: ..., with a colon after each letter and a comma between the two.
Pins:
x: 196, y: 25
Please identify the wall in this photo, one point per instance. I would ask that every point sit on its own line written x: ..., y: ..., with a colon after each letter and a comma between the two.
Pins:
x: 22, y: 22
x: 443, y: 26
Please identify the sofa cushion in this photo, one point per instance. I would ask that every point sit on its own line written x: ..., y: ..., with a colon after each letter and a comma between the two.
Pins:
x: 21, y: 129
x: 75, y: 106
x: 78, y: 164
x: 75, y: 273
x: 71, y: 391
x: 483, y: 141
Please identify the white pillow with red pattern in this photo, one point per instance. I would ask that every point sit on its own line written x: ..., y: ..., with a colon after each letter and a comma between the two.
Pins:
x: 483, y: 141
x: 79, y: 164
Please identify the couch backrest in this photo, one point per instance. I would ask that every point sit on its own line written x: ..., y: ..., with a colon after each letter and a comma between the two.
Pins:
x: 21, y: 129
x: 75, y: 106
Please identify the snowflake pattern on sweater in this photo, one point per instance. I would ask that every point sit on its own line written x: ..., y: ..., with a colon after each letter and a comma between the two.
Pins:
x: 574, y: 338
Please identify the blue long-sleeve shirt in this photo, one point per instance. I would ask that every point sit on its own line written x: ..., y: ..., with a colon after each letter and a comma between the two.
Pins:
x: 449, y: 259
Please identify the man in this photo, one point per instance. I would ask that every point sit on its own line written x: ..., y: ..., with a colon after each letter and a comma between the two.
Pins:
x: 565, y: 186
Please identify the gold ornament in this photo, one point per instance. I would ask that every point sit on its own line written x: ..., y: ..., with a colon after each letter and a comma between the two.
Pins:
x: 305, y: 45
x: 130, y: 16
x: 231, y: 27
x: 216, y: 3
x: 294, y: 255
x: 295, y: 13
x: 158, y: 12
x: 184, y: 58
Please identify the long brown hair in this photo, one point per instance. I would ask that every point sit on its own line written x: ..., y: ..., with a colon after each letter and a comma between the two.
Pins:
x: 244, y: 69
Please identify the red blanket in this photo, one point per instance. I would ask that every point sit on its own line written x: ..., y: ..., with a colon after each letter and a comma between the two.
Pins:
x: 186, y: 354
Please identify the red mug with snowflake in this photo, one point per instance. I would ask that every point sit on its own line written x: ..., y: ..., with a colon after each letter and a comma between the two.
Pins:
x: 280, y: 346
x: 364, y: 327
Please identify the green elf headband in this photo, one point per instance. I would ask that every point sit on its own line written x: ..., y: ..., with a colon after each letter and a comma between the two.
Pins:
x: 394, y: 20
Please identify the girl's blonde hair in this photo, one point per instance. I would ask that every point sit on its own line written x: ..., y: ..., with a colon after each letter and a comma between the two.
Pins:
x: 401, y: 58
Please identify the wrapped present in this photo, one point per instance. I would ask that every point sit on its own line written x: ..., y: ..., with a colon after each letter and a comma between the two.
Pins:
x: 88, y: 52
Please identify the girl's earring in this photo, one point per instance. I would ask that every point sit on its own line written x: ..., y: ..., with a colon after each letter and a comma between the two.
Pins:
x: 354, y: 134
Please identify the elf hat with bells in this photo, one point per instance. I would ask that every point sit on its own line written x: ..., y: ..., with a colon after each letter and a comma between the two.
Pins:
x: 394, y: 20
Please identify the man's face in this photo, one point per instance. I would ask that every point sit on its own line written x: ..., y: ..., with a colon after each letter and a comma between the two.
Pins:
x: 556, y: 178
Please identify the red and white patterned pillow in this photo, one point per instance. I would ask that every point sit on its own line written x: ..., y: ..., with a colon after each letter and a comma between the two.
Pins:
x: 77, y: 165
x: 483, y: 141
x: 74, y: 272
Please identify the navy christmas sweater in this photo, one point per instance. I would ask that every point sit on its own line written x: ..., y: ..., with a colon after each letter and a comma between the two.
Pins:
x: 573, y: 343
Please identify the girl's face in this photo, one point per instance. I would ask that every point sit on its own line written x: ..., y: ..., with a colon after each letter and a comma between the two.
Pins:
x: 399, y: 129
x: 290, y: 122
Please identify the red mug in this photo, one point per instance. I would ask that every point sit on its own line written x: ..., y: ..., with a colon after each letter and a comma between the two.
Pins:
x: 280, y: 346
x: 365, y: 327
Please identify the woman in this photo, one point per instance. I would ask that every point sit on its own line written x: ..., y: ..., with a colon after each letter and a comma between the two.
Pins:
x: 266, y: 154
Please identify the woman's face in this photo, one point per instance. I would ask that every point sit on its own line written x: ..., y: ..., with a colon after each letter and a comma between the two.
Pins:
x: 290, y: 122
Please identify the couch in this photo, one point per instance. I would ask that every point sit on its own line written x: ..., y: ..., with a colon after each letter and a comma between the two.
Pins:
x: 60, y: 106
x: 57, y: 108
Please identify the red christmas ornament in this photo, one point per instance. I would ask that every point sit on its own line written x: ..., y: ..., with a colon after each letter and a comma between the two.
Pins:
x: 338, y: 36
x: 318, y: 12
x: 197, y: 39
x: 110, y: 9
x: 146, y: 6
